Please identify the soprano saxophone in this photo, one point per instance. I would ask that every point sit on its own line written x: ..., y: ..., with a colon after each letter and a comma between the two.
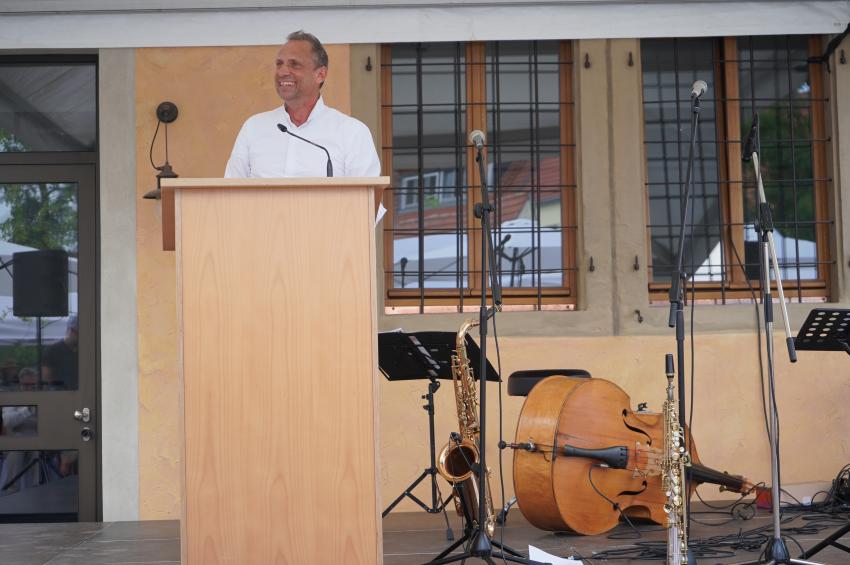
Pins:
x: 673, y: 465
x: 458, y: 460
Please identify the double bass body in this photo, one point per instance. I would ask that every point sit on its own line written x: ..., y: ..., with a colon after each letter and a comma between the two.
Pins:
x: 559, y: 492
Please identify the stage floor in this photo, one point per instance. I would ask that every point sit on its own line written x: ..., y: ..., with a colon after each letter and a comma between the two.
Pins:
x: 409, y: 539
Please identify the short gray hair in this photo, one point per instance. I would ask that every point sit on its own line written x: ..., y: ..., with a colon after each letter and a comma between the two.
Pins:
x: 320, y: 56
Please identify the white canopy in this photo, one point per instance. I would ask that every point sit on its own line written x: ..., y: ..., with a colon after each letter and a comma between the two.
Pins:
x: 52, y: 24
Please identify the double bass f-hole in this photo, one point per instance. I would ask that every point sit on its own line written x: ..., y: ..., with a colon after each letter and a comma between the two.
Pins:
x: 636, y: 429
x: 644, y: 484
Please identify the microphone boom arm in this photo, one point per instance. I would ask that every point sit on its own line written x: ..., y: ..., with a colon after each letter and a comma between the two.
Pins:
x: 330, y: 167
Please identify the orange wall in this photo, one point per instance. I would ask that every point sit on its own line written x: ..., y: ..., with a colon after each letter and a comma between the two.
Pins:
x: 215, y: 90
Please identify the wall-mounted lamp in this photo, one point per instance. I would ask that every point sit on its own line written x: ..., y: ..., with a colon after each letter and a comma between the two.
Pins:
x: 166, y: 113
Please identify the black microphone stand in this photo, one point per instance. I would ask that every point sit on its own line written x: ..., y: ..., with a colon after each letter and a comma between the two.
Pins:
x: 677, y: 299
x: 481, y: 546
x: 777, y: 550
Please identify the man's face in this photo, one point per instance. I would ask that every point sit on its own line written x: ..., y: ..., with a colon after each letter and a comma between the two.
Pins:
x: 297, y: 79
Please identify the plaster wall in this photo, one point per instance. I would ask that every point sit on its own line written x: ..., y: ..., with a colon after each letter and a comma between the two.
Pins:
x: 217, y: 88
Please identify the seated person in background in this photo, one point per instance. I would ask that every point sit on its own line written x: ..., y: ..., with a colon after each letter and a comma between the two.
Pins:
x: 9, y: 375
x: 20, y: 421
x: 59, y: 367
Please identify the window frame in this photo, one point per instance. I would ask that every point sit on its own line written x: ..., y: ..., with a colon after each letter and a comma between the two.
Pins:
x: 734, y: 286
x: 476, y: 104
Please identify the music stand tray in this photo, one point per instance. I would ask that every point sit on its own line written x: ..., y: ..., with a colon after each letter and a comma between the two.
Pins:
x: 825, y: 329
x: 425, y: 355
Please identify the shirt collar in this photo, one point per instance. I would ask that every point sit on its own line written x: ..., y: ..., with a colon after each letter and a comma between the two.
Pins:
x: 316, y: 111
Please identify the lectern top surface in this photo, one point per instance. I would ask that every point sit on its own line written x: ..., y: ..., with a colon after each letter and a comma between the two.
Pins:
x: 379, y: 182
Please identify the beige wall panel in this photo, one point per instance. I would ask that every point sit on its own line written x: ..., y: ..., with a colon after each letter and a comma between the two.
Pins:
x: 215, y: 89
x: 729, y: 428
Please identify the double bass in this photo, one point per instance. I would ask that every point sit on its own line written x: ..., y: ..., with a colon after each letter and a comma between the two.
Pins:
x: 582, y: 456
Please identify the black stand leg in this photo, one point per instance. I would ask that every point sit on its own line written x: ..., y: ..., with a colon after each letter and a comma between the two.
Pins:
x: 830, y: 541
x: 437, y: 503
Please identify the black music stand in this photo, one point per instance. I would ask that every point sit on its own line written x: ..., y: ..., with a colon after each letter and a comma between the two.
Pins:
x: 424, y: 355
x: 826, y: 329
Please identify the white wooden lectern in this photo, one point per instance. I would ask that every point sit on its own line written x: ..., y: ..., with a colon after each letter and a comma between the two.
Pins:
x: 278, y: 369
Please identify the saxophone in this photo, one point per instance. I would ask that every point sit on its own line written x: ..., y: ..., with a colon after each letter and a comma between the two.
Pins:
x: 673, y: 477
x: 458, y: 459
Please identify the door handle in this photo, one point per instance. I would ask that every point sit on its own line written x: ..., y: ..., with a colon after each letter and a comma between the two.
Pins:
x: 83, y: 415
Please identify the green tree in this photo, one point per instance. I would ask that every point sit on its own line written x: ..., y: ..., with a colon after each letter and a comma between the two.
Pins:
x: 9, y: 143
x: 43, y: 216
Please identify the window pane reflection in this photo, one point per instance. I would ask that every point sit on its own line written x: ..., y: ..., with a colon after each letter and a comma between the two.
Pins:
x: 523, y: 115
x: 38, y: 286
x: 20, y: 420
x: 670, y: 67
x: 775, y: 83
x: 39, y: 486
x: 48, y: 107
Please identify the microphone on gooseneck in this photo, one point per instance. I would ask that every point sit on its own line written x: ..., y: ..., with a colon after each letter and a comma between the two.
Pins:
x: 330, y: 167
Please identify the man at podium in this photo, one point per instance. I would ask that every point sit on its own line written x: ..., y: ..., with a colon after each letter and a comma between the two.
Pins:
x: 303, y: 137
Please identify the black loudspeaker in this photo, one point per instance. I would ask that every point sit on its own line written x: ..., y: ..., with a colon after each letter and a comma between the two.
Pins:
x: 40, y: 283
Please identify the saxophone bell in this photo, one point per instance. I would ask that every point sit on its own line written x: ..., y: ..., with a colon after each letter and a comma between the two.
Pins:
x: 458, y: 459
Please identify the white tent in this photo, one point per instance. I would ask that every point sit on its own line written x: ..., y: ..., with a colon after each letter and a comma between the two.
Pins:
x: 786, y: 251
x: 441, y: 251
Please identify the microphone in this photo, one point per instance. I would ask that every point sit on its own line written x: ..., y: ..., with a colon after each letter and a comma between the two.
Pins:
x: 477, y: 138
x: 698, y: 89
x: 330, y: 167
x: 751, y: 144
x: 528, y: 446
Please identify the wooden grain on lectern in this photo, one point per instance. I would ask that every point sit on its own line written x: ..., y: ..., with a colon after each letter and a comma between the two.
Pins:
x: 276, y: 304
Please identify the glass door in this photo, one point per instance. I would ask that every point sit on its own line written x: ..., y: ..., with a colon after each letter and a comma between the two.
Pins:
x: 48, y: 337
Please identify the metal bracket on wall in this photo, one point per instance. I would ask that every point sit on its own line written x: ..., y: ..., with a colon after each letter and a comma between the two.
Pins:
x: 586, y: 60
x: 631, y: 60
x: 369, y: 63
x: 591, y: 267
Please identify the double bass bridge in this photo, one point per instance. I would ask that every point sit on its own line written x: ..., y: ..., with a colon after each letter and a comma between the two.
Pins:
x: 647, y: 460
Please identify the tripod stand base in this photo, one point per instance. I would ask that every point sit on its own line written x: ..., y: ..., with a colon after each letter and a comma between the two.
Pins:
x: 437, y: 504
x: 832, y: 540
x: 481, y: 548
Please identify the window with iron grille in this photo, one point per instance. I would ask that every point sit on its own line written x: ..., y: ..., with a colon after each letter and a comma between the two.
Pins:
x: 520, y: 95
x: 771, y: 76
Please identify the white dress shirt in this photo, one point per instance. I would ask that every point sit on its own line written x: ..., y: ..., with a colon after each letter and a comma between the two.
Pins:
x: 263, y: 151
